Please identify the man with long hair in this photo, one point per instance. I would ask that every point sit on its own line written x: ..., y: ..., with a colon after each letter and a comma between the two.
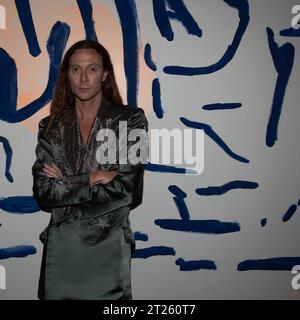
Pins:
x: 88, y: 242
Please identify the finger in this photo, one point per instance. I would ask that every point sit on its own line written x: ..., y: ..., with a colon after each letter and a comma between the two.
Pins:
x: 50, y: 173
x: 49, y: 168
x: 57, y: 169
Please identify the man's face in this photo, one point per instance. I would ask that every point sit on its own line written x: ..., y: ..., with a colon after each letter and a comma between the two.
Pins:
x: 86, y: 74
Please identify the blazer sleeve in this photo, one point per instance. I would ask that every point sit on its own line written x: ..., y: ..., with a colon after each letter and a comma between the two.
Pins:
x: 128, y: 183
x: 51, y: 192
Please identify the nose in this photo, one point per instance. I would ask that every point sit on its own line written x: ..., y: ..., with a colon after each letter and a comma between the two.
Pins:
x: 83, y: 76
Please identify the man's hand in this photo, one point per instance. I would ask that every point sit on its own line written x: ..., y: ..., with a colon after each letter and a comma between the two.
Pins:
x: 102, y: 176
x: 52, y: 171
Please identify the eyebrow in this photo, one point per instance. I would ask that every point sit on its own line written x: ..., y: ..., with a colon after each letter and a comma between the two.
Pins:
x: 91, y: 64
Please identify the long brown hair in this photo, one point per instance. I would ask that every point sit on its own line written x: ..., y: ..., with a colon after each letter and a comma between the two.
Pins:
x: 63, y: 98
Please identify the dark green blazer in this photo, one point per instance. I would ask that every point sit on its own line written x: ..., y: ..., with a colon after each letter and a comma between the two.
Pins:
x: 81, y: 216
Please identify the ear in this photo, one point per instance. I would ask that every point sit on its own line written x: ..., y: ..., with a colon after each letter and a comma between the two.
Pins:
x: 104, y: 76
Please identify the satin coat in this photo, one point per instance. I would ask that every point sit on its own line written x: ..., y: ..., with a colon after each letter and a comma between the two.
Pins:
x: 88, y: 242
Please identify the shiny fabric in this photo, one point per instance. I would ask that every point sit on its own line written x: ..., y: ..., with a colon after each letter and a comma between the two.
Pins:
x: 89, y: 241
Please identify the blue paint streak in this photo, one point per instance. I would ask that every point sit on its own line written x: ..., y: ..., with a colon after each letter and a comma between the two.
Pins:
x: 290, y: 32
x: 243, y: 9
x: 299, y: 202
x: 86, y: 11
x: 177, y: 191
x: 129, y: 23
x: 179, y: 13
x: 199, y: 226
x: 195, y: 265
x: 25, y: 16
x: 283, y: 58
x: 19, y: 204
x: 140, y: 236
x: 237, y: 184
x: 179, y: 202
x: 8, y: 152
x: 221, y: 106
x: 148, y: 58
x: 17, y: 252
x: 167, y: 169
x: 153, y: 251
x: 8, y: 82
x: 212, y: 134
x: 157, y: 107
x: 278, y: 263
x: 263, y: 222
x: 290, y: 212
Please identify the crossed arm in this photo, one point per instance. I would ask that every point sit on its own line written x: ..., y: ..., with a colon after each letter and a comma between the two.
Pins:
x: 53, y: 189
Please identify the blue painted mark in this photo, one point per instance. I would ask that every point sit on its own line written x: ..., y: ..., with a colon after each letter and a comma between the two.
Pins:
x: 299, y: 202
x: 221, y: 106
x: 17, y: 252
x: 140, y: 236
x: 86, y: 11
x: 19, y: 204
x: 8, y: 153
x: 148, y: 57
x: 236, y: 184
x: 199, y: 226
x: 263, y: 222
x: 278, y: 263
x: 179, y: 202
x: 283, y: 58
x: 8, y: 82
x: 153, y: 251
x: 243, y: 9
x: 25, y: 16
x: 168, y: 169
x: 212, y: 134
x: 290, y: 32
x: 157, y: 107
x: 195, y: 265
x: 129, y: 23
x: 290, y: 212
x: 179, y: 13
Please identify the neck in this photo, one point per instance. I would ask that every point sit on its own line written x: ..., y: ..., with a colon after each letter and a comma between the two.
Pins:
x: 86, y: 110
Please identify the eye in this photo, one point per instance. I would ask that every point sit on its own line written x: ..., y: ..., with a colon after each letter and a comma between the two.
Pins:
x: 74, y: 69
x: 93, y: 69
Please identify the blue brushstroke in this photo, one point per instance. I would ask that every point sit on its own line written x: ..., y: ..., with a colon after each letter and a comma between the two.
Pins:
x: 153, y: 251
x: 140, y: 236
x: 290, y: 32
x: 148, y: 58
x: 8, y: 82
x: 299, y: 202
x: 195, y: 265
x: 278, y: 263
x: 243, y: 9
x: 185, y: 224
x: 283, y: 58
x: 212, y: 134
x: 263, y: 222
x: 179, y: 201
x: 157, y: 107
x: 179, y: 13
x: 199, y: 226
x: 19, y: 204
x: 86, y: 11
x: 236, y: 184
x: 17, y: 252
x: 8, y: 153
x: 168, y: 169
x: 221, y: 106
x: 25, y: 16
x: 129, y: 23
x: 290, y: 212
